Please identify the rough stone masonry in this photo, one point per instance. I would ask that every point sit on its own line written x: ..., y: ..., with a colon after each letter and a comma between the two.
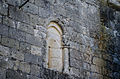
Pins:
x: 91, y: 28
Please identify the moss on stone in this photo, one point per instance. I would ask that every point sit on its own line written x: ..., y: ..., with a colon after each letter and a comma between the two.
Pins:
x: 103, y: 38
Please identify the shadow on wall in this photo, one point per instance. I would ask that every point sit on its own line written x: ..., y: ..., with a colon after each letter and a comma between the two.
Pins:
x: 111, y: 41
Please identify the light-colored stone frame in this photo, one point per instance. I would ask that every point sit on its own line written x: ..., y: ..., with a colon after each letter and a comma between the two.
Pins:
x: 65, y: 52
x: 59, y: 30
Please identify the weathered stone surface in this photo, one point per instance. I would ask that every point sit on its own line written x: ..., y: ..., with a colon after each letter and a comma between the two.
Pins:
x: 34, y: 40
x: 3, y: 8
x: 42, y: 3
x: 18, y: 55
x: 35, y: 70
x: 6, y: 63
x: 0, y: 18
x: 34, y: 19
x: 31, y: 8
x: 115, y: 2
x: 16, y: 65
x: 31, y: 58
x: 9, y: 22
x: 75, y: 71
x: 14, y: 12
x: 10, y: 42
x: 86, y: 66
x: 4, y: 51
x: 40, y: 32
x: 98, y: 61
x: 33, y: 77
x: 75, y: 63
x: 87, y: 57
x: 14, y: 2
x: 17, y: 34
x: 25, y: 67
x: 25, y: 46
x: 3, y: 30
x: 24, y: 35
x: 44, y: 12
x: 0, y: 38
x: 76, y: 54
x: 2, y: 73
x: 11, y: 74
x: 36, y: 50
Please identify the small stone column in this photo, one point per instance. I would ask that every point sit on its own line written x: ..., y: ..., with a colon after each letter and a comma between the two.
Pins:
x: 66, y: 59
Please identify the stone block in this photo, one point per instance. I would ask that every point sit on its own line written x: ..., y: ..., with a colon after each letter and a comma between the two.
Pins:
x: 74, y: 71
x: 39, y: 42
x: 30, y: 30
x: 3, y: 8
x: 22, y: 26
x: 86, y: 66
x: 5, y: 41
x: 41, y: 28
x: 42, y: 3
x: 34, y: 40
x: 17, y: 34
x: 36, y: 50
x: 75, y: 63
x: 59, y: 10
x: 4, y: 51
x: 10, y: 42
x: 6, y: 63
x: 98, y: 61
x: 16, y: 65
x: 10, y: 64
x: 76, y: 54
x: 33, y: 77
x: 34, y: 19
x: 24, y: 67
x: 9, y: 22
x: 93, y: 68
x: 21, y: 35
x: 14, y: 2
x: 31, y: 8
x: 31, y: 58
x: 114, y: 2
x: 0, y: 18
x: 30, y: 38
x: 2, y: 73
x: 11, y: 74
x: 61, y: 2
x: 3, y: 30
x: 44, y: 13
x: 18, y: 55
x: 35, y: 70
x: 13, y: 33
x: 87, y: 57
x: 0, y: 38
x: 26, y: 18
x: 25, y: 46
x: 25, y: 27
x: 74, y: 45
x: 60, y: 76
x: 14, y: 12
x: 3, y: 63
x: 107, y: 57
x: 39, y: 34
x: 31, y: 1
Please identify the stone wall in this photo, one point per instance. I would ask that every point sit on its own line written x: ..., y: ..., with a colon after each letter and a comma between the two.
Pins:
x: 23, y: 33
x: 110, y: 18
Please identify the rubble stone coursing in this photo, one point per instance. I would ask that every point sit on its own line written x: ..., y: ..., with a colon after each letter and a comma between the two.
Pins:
x: 90, y: 28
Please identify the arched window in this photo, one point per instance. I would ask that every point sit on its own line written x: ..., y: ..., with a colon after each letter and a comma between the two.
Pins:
x: 54, y: 47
